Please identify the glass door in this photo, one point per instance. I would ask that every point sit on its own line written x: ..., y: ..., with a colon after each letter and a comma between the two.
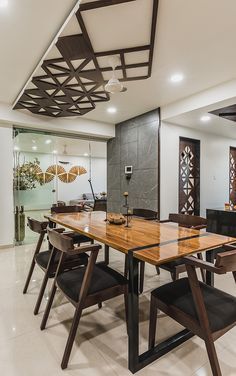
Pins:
x: 34, y: 181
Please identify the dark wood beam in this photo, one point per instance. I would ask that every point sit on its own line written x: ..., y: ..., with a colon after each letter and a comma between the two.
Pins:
x: 101, y: 4
x: 153, y: 34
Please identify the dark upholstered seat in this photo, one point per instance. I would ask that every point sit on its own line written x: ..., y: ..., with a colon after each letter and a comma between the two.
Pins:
x: 42, y: 259
x: 220, y: 306
x: 103, y: 277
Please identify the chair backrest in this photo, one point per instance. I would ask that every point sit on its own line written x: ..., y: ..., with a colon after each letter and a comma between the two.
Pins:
x: 59, y: 241
x: 100, y: 205
x: 145, y: 213
x: 187, y: 220
x: 37, y: 226
x: 66, y: 209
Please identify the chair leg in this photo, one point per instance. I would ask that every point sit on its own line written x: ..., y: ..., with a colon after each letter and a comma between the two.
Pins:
x: 49, y: 305
x: 71, y: 337
x: 158, y: 270
x: 174, y: 275
x: 234, y: 274
x: 215, y: 367
x: 41, y: 292
x: 100, y: 305
x: 29, y: 276
x: 152, y: 322
x: 45, y: 281
x: 38, y: 247
x: 126, y: 266
x: 203, y: 274
x: 141, y: 276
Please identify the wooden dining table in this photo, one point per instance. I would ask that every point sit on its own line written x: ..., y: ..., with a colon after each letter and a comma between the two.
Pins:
x: 150, y: 241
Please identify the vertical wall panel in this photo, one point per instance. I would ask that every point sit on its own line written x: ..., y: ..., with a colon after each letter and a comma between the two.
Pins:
x: 135, y: 144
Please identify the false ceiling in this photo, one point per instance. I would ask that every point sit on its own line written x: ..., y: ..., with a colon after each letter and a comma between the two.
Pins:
x: 228, y: 112
x: 71, y: 79
x: 193, y: 37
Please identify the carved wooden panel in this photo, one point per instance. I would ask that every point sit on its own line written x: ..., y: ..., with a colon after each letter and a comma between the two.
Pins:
x: 73, y: 84
x: 189, y: 176
x: 232, y: 174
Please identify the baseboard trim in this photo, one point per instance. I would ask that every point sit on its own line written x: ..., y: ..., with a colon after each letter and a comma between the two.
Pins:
x: 6, y: 246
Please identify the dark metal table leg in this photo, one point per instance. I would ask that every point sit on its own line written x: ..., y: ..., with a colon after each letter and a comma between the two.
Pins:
x: 133, y: 314
x: 106, y: 255
x: 210, y: 257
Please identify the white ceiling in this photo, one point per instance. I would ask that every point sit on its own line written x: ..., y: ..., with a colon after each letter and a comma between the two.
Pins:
x: 74, y: 147
x: 193, y: 37
x: 27, y: 28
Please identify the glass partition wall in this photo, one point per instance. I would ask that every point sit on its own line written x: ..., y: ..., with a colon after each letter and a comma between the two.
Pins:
x: 49, y: 169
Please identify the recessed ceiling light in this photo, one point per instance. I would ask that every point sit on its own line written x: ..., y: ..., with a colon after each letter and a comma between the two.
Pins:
x: 205, y: 118
x: 54, y: 152
x: 34, y: 147
x: 48, y: 141
x: 85, y: 154
x: 3, y: 3
x: 177, y: 77
x: 112, y: 110
x: 16, y: 148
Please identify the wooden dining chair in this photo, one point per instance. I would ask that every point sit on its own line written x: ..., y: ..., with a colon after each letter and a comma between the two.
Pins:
x: 194, y: 222
x: 149, y: 215
x: 60, y: 209
x: 83, y: 287
x: 42, y: 258
x: 204, y: 310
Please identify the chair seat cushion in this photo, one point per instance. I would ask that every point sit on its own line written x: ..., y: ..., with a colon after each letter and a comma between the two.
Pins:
x: 103, y: 278
x: 42, y: 259
x: 220, y: 306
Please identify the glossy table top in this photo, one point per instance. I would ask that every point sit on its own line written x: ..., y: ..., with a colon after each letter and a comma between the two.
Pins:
x: 142, y: 233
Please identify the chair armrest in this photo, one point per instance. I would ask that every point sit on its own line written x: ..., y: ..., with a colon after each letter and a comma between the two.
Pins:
x: 191, y: 260
x: 85, y: 248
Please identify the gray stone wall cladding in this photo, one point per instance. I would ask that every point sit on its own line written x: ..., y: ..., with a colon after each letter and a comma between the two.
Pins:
x: 135, y: 144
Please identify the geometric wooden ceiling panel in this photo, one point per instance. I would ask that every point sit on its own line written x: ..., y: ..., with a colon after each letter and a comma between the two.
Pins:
x: 73, y: 84
x: 228, y: 112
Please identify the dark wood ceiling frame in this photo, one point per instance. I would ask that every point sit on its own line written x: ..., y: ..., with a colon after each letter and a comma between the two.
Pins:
x: 228, y: 112
x: 67, y: 89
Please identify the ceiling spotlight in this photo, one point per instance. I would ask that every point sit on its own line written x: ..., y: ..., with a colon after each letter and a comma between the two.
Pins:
x: 205, y: 118
x: 16, y: 148
x: 54, y: 152
x: 177, y: 77
x: 3, y: 3
x: 86, y: 155
x: 112, y: 110
x: 48, y: 141
x: 34, y: 147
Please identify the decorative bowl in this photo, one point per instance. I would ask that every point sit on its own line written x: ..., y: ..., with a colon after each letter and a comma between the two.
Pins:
x: 115, y: 218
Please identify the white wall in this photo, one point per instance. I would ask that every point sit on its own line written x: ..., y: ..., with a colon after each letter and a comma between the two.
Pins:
x: 214, y: 183
x: 6, y: 189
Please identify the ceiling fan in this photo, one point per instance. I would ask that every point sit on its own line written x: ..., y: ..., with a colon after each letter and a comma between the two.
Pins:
x: 114, y: 85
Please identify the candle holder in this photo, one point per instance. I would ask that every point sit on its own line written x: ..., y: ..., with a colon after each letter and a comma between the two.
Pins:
x: 128, y: 211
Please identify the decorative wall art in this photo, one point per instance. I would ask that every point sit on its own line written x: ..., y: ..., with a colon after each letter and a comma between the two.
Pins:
x: 56, y: 170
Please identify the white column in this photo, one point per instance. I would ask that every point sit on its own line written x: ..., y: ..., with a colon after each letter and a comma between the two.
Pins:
x: 6, y: 187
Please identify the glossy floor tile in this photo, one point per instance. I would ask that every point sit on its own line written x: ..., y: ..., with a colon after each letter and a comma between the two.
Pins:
x: 101, y: 343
